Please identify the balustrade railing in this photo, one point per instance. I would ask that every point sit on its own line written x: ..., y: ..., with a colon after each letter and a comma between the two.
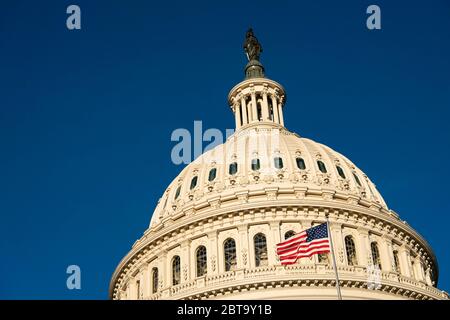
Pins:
x: 292, y: 272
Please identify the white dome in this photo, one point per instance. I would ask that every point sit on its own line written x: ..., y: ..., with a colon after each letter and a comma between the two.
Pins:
x: 264, y: 142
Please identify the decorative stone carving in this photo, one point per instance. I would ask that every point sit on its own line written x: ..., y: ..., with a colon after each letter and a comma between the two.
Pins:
x: 244, y: 256
x: 185, y: 272
x: 271, y: 194
x: 215, y: 203
x: 300, y: 194
x: 243, y: 197
x: 369, y: 259
x: 220, y: 186
x: 213, y: 263
x: 268, y: 178
x: 293, y: 178
x: 341, y: 255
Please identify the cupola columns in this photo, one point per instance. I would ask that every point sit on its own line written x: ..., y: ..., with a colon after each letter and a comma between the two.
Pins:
x: 257, y: 99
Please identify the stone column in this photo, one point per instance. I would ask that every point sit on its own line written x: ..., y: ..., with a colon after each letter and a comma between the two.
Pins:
x: 363, y: 248
x: 131, y: 290
x: 165, y: 271
x: 146, y: 282
x: 212, y: 253
x: 305, y: 261
x: 243, y: 254
x: 405, y: 263
x: 272, y: 240
x: 428, y: 277
x: 276, y: 117
x: 422, y: 270
x: 185, y: 259
x: 385, y: 247
x: 265, y: 107
x: 338, y: 245
x: 244, y: 111
x: 254, y: 108
x: 418, y: 269
x: 280, y: 112
x: 127, y: 291
x: 237, y: 115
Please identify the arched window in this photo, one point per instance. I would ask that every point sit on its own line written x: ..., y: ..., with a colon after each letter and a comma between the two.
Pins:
x: 201, y: 261
x: 259, y: 109
x: 194, y: 182
x: 229, y: 251
x: 260, y: 243
x: 289, y: 234
x: 396, y: 261
x: 256, y: 165
x: 278, y: 162
x: 212, y: 174
x: 233, y: 168
x: 341, y: 172
x: 350, y: 250
x: 321, y: 166
x: 322, y: 257
x: 375, y: 254
x: 300, y: 163
x: 177, y: 192
x: 357, y: 179
x: 176, y: 270
x: 154, y: 280
x: 269, y: 102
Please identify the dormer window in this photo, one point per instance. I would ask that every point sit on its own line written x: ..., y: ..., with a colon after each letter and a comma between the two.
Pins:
x: 341, y: 172
x: 357, y: 179
x: 233, y: 168
x: 256, y: 165
x: 300, y: 163
x: 177, y: 192
x: 194, y: 182
x: 212, y: 174
x: 278, y: 162
x: 321, y: 166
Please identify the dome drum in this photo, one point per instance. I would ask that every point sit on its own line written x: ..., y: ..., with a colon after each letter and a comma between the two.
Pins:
x: 182, y: 236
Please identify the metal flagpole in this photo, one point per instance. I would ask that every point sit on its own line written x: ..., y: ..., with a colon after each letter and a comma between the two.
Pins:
x: 338, y: 287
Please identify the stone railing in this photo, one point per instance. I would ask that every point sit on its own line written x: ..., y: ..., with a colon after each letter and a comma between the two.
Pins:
x: 310, y: 273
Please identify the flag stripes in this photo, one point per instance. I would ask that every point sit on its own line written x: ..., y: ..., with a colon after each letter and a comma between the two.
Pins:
x: 304, y: 244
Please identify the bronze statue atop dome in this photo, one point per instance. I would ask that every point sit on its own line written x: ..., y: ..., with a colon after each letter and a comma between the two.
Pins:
x: 252, y: 47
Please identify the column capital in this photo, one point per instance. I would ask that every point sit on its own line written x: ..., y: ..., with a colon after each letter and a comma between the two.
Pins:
x: 363, y: 231
x: 274, y: 224
x: 242, y: 228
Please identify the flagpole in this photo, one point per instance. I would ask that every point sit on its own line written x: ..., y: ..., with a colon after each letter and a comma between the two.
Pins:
x: 338, y: 287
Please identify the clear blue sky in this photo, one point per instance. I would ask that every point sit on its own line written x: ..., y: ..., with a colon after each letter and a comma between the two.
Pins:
x: 86, y: 116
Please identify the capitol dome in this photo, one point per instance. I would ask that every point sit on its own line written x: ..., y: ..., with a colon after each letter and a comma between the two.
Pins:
x: 214, y: 231
x: 265, y: 156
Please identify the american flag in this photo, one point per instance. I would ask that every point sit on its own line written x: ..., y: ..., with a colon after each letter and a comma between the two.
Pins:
x: 304, y: 244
